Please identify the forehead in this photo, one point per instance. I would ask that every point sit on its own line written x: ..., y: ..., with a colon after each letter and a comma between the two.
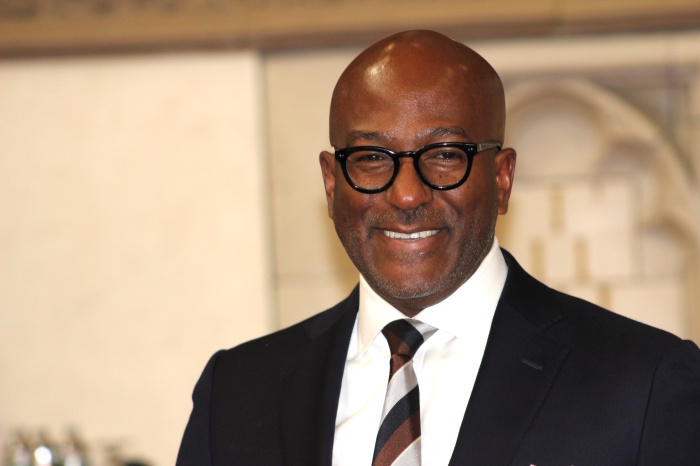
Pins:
x: 406, y: 89
x: 412, y: 110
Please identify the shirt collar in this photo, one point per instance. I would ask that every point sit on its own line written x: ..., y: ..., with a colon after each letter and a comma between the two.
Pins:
x: 469, y: 308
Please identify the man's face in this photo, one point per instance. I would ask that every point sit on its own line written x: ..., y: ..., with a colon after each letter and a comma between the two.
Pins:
x: 455, y: 227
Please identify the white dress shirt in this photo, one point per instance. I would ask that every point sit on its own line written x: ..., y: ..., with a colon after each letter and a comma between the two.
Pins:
x: 446, y: 366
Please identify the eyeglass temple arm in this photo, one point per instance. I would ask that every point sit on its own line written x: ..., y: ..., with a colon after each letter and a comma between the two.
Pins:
x: 488, y: 145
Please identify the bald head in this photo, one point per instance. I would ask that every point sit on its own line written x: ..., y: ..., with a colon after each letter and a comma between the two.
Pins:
x: 414, y: 69
x: 414, y: 243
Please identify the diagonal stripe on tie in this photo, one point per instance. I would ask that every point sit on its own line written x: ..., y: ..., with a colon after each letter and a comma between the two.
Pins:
x: 404, y: 445
x: 403, y: 380
x: 398, y: 439
x: 406, y: 407
x: 410, y: 456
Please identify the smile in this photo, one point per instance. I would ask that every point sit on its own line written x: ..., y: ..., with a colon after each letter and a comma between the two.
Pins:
x: 416, y: 235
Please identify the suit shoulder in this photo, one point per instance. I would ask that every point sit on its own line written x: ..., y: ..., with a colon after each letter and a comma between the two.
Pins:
x: 290, y: 339
x: 597, y: 322
x: 562, y: 314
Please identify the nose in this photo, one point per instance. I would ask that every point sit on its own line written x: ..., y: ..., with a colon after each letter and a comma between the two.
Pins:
x: 408, y: 191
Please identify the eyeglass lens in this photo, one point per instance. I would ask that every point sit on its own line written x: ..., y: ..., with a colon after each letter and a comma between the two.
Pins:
x: 439, y: 166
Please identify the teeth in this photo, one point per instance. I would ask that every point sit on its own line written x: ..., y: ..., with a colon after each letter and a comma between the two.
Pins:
x: 416, y: 235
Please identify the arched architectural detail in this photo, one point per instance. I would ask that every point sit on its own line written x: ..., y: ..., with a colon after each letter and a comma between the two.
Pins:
x: 614, y: 200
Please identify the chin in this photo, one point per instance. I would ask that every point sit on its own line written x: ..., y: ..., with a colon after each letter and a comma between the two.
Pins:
x: 403, y: 291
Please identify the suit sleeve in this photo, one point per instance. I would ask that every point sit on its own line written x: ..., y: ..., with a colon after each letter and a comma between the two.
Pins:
x: 195, y: 449
x: 671, y: 434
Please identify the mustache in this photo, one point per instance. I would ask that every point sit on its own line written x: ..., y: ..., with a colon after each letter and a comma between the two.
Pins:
x: 416, y: 216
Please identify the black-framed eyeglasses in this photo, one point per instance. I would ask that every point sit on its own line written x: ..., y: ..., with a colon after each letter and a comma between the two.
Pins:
x: 442, y: 165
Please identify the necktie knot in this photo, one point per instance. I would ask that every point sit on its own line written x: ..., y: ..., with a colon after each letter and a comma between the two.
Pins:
x: 405, y: 336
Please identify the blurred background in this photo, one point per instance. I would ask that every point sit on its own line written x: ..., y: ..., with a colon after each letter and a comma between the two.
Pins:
x: 160, y: 196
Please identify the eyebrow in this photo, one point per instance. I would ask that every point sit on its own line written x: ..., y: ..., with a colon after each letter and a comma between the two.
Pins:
x: 373, y: 136
x: 440, y: 131
x: 443, y: 131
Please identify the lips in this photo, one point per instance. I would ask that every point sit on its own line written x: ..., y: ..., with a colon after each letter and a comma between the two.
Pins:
x: 409, y: 236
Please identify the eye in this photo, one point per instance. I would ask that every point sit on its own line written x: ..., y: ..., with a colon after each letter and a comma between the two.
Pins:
x: 447, y: 155
x: 444, y: 155
x: 369, y: 157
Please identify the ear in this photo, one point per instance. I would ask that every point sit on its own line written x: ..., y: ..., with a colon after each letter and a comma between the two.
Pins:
x: 327, y: 161
x: 505, y: 171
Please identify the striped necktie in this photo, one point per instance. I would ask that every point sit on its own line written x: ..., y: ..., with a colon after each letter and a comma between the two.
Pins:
x: 398, y: 439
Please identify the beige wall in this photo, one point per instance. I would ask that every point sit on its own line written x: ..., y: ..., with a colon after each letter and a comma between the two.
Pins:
x: 139, y: 233
x: 133, y: 239
x: 312, y: 270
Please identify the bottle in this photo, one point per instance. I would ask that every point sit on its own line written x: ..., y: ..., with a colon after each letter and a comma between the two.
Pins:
x: 74, y: 450
x: 17, y: 452
x: 45, y: 452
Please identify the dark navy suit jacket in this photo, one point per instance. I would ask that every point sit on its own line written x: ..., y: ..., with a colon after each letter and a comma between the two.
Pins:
x: 562, y: 382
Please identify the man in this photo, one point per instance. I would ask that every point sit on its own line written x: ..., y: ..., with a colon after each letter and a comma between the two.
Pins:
x: 510, y: 372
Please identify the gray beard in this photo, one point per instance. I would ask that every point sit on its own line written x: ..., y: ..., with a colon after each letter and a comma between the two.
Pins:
x: 389, y: 289
x: 455, y: 278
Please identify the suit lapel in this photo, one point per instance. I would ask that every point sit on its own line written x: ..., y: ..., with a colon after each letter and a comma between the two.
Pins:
x: 312, y: 385
x: 517, y: 371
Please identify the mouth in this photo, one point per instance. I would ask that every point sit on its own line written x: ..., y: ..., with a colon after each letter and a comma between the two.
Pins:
x: 409, y: 236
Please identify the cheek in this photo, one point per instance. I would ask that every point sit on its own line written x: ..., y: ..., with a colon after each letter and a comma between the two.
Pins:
x: 349, y: 211
x: 473, y: 212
